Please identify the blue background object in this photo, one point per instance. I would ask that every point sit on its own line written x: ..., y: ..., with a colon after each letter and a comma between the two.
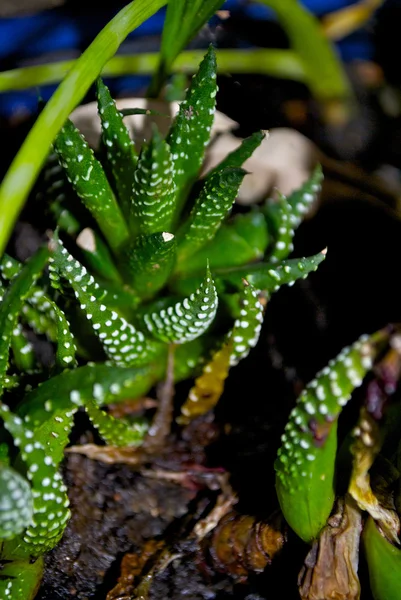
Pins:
x: 63, y: 34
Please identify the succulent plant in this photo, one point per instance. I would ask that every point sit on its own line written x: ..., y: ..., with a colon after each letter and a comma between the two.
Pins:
x: 155, y: 259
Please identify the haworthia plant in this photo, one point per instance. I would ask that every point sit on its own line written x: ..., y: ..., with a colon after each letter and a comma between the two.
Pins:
x: 306, y: 459
x: 146, y: 258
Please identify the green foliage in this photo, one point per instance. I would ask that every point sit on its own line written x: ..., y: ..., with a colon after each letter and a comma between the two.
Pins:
x: 306, y: 459
x: 150, y: 256
x: 384, y: 562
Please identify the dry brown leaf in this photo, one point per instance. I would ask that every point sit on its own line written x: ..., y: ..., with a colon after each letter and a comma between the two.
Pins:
x: 330, y: 568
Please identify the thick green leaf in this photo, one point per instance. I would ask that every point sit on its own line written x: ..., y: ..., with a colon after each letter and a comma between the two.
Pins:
x: 22, y: 173
x: 270, y: 277
x: 50, y: 501
x: 183, y: 321
x: 190, y: 131
x: 303, y: 198
x: 283, y: 245
x: 243, y: 240
x: 88, y: 179
x: 154, y: 188
x: 123, y: 344
x: 12, y: 303
x: 148, y: 261
x: 101, y: 382
x: 116, y: 432
x: 211, y: 207
x: 237, y: 157
x: 120, y: 149
x: 23, y: 354
x: 306, y: 459
x: 97, y: 255
x: 20, y: 580
x: 384, y: 563
x: 246, y: 330
x: 244, y: 335
x: 16, y: 504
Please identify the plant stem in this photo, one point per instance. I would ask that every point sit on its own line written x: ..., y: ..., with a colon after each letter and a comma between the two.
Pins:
x: 23, y: 171
x: 284, y: 64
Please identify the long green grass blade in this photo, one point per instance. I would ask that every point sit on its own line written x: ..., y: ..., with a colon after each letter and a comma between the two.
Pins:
x: 29, y: 160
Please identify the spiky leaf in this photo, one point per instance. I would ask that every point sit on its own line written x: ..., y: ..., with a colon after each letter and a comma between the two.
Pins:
x: 116, y: 432
x: 50, y: 502
x: 149, y: 260
x: 302, y: 199
x: 86, y: 175
x: 306, y: 458
x: 97, y: 255
x: 120, y: 150
x: 16, y: 504
x: 183, y: 321
x: 244, y: 335
x: 237, y: 157
x: 154, y: 188
x: 20, y: 579
x: 12, y: 303
x: 190, y: 132
x: 283, y: 245
x: 100, y: 382
x: 24, y: 356
x: 269, y: 278
x: 243, y: 240
x: 211, y: 207
x: 123, y: 344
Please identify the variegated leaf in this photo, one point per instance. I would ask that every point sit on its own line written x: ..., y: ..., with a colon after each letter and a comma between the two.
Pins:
x: 148, y: 261
x: 120, y: 149
x: 20, y: 579
x: 244, y: 335
x: 12, y: 303
x: 242, y: 240
x: 16, y: 504
x: 283, y: 245
x: 154, y: 188
x: 270, y: 277
x: 306, y: 459
x: 23, y: 353
x: 116, y: 432
x: 237, y: 157
x: 183, y: 321
x: 302, y: 200
x: 190, y: 132
x: 122, y: 343
x: 101, y: 382
x: 50, y: 501
x: 211, y: 207
x: 86, y: 175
